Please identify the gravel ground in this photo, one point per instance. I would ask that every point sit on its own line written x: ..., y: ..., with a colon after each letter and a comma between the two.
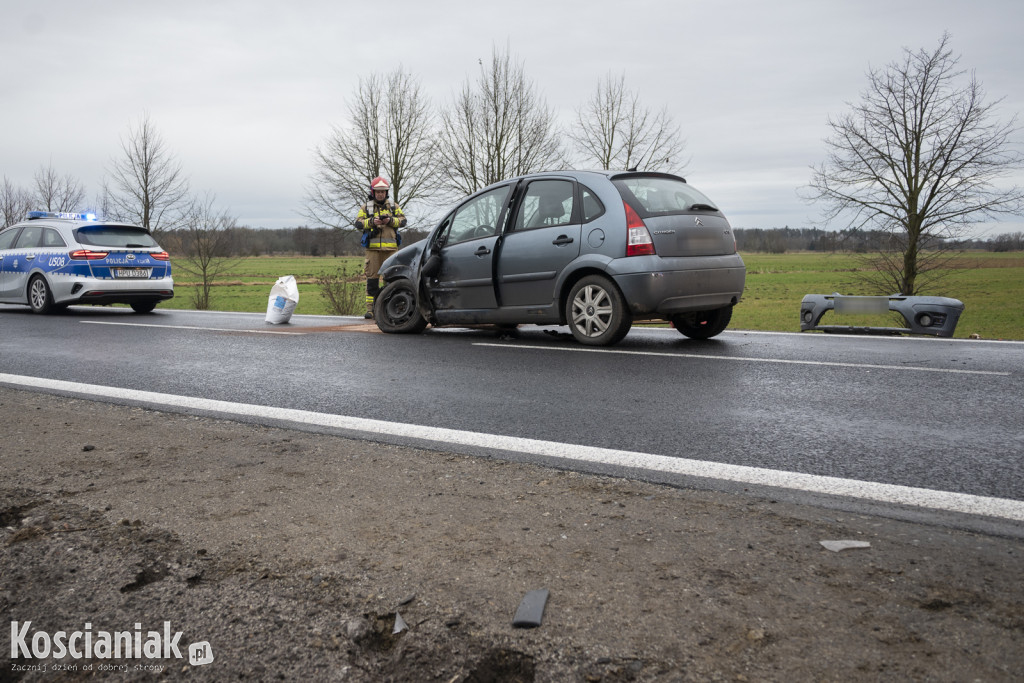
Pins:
x: 291, y: 554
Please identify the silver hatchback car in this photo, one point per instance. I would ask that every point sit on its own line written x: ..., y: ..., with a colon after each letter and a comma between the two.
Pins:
x: 53, y: 260
x: 592, y: 250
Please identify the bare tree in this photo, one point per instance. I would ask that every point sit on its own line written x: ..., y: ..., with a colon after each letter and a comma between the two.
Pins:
x: 57, y: 193
x: 388, y: 132
x: 614, y: 130
x: 205, y: 241
x: 148, y: 184
x: 496, y: 128
x: 918, y: 157
x: 15, y: 202
x: 102, y: 203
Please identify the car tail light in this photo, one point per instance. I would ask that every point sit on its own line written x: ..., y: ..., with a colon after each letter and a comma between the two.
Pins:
x: 638, y: 239
x: 161, y: 256
x: 87, y: 255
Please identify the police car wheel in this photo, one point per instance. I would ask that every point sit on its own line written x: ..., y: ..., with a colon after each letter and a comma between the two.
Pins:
x: 143, y: 306
x: 40, y: 300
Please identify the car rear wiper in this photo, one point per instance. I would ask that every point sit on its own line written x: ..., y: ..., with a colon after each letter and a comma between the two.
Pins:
x: 702, y: 207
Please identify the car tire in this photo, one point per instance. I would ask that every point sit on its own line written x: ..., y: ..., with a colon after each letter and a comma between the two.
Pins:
x: 596, y: 312
x: 703, y: 324
x: 40, y: 299
x: 395, y: 310
x: 143, y: 306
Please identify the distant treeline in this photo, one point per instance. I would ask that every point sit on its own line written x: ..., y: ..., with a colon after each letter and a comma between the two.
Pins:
x: 301, y: 241
x: 304, y: 241
x: 782, y: 240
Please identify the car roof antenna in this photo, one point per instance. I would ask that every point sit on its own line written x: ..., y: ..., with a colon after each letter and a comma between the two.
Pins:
x: 634, y: 169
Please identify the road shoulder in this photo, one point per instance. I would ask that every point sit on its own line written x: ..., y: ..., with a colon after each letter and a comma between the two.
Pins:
x: 291, y: 553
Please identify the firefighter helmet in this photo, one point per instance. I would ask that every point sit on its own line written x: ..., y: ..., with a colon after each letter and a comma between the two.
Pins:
x: 379, y: 183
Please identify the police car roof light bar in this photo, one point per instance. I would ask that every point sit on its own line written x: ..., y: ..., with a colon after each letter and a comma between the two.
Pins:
x: 31, y: 215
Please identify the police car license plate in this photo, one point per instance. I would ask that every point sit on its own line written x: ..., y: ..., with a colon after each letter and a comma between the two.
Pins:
x: 135, y: 273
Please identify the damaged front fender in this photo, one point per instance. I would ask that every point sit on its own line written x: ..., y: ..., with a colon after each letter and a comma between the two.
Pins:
x: 402, y: 264
x: 408, y: 264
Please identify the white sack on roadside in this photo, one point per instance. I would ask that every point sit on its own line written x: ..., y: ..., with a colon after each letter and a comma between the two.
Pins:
x: 284, y: 296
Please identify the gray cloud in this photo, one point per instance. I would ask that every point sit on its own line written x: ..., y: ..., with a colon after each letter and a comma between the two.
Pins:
x: 242, y: 91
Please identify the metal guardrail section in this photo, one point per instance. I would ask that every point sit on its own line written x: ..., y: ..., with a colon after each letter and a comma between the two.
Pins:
x: 932, y: 315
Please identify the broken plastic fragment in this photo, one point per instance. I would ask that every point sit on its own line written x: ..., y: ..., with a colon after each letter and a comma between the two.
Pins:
x: 836, y: 546
x: 400, y: 624
x: 531, y: 609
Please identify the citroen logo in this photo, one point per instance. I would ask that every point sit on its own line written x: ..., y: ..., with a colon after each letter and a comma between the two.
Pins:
x: 696, y: 221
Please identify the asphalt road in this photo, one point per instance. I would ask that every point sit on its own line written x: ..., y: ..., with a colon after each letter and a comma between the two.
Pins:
x: 945, y: 415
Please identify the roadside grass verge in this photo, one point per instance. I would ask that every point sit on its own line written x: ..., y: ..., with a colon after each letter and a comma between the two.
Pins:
x: 991, y: 285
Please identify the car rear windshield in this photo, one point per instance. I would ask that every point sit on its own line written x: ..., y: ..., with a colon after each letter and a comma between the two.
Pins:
x: 115, y: 236
x: 657, y: 195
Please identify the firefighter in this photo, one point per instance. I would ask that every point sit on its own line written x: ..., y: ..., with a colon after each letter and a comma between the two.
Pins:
x: 379, y: 219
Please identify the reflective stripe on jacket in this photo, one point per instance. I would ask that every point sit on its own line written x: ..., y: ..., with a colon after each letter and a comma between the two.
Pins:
x: 386, y: 236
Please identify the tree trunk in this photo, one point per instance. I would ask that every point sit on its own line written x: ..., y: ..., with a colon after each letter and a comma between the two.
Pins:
x: 910, y: 261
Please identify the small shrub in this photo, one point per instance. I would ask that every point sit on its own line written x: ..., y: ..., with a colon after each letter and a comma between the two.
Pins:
x: 343, y: 290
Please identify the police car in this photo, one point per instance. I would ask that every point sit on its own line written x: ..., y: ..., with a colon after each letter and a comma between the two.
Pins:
x: 53, y: 260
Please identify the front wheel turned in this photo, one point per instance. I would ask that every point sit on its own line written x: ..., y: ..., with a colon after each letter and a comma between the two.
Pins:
x: 395, y: 311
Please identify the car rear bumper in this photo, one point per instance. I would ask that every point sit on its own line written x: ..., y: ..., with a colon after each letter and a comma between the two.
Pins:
x: 127, y: 297
x: 666, y: 286
x: 103, y: 292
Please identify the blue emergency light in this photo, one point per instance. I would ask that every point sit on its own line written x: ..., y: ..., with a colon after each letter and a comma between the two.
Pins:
x: 61, y: 214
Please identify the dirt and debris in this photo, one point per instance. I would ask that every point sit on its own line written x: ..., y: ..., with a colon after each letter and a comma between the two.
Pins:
x: 291, y: 555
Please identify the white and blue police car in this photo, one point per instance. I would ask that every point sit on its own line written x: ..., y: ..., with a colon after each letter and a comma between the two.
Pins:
x: 53, y: 260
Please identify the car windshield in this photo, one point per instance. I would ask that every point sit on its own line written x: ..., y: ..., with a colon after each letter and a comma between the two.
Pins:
x: 662, y: 195
x: 115, y: 236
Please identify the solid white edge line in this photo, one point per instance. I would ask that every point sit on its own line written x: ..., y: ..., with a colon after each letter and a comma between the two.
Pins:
x: 673, y: 333
x: 749, y: 359
x: 186, y: 327
x: 885, y: 493
x: 927, y: 339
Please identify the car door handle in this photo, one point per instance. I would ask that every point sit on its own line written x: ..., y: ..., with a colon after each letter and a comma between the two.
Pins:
x: 562, y: 239
x: 482, y: 251
x: 29, y: 257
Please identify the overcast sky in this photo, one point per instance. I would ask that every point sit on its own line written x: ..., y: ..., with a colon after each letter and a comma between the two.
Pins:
x: 243, y: 91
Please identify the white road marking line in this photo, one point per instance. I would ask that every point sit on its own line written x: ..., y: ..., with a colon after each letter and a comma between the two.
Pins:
x: 185, y: 327
x: 1002, y: 508
x: 870, y: 366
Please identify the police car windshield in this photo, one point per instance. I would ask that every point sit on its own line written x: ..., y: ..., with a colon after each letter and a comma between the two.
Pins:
x: 115, y: 236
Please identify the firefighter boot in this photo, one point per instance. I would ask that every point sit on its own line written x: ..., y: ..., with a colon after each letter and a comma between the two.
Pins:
x: 372, y: 290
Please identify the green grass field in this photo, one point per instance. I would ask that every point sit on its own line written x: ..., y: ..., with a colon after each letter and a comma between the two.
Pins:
x: 991, y: 285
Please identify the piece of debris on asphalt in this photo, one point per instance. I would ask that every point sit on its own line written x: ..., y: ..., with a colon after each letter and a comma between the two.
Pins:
x: 531, y: 609
x: 836, y: 546
x: 400, y: 624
